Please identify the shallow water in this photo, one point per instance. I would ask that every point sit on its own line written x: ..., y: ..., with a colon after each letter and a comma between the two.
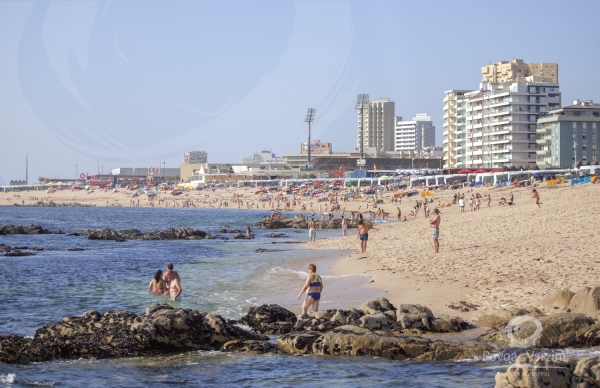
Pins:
x: 223, y: 277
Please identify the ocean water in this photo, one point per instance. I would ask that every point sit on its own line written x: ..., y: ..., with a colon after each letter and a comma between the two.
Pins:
x: 222, y: 277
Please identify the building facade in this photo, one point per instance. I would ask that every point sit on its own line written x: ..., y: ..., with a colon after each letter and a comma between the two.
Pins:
x: 316, y: 147
x: 503, y: 71
x: 195, y: 157
x: 495, y: 126
x: 569, y: 135
x: 415, y: 134
x: 264, y: 157
x: 378, y: 122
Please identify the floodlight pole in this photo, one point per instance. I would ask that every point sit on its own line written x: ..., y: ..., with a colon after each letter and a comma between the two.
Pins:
x: 360, y: 104
x: 310, y: 117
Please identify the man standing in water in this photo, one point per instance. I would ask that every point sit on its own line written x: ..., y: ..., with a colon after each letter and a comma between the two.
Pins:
x: 173, y: 283
x: 363, y: 235
x: 314, y: 285
x: 312, y: 230
x: 344, y: 227
x: 434, y: 225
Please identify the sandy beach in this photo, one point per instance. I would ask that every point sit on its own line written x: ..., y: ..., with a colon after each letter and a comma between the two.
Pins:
x: 495, y: 257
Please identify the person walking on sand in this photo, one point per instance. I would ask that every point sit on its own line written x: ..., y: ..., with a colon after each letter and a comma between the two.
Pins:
x: 314, y: 288
x: 534, y: 194
x: 461, y: 205
x: 399, y: 214
x: 363, y: 235
x: 312, y: 230
x: 434, y: 225
x: 344, y: 227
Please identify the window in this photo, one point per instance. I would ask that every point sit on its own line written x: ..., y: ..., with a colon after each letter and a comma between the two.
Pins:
x: 584, y: 125
x: 574, y: 124
x: 593, y: 125
x: 584, y: 147
x: 584, y: 137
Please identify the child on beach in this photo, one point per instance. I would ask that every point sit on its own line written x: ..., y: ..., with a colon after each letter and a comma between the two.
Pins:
x: 534, y: 194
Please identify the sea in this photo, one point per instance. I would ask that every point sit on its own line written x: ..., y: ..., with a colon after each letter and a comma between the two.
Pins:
x: 223, y: 277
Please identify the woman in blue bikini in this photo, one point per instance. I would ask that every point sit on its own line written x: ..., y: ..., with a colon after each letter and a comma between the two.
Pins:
x: 314, y: 285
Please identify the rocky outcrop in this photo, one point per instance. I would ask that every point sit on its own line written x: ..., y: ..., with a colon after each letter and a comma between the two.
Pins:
x: 18, y: 229
x: 551, y: 331
x: 500, y: 318
x: 269, y: 319
x: 18, y: 252
x: 393, y: 347
x: 301, y: 222
x: 161, y: 329
x: 558, y: 301
x: 533, y: 371
x: 15, y: 349
x: 586, y: 301
x: 134, y: 234
x: 463, y: 306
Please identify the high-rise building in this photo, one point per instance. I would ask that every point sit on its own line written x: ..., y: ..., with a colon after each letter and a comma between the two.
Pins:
x: 378, y: 120
x: 569, y: 135
x: 503, y: 71
x: 415, y: 134
x: 495, y: 126
x: 195, y: 157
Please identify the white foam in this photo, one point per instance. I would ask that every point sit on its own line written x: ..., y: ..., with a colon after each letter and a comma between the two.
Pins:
x: 8, y: 378
x: 302, y: 274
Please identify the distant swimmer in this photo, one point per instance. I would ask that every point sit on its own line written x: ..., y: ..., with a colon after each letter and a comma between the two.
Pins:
x: 157, y: 284
x: 314, y: 285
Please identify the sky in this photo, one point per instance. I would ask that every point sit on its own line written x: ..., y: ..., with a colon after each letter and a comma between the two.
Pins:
x: 96, y: 85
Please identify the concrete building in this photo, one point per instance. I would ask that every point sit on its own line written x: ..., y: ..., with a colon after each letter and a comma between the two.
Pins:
x: 569, y: 135
x: 146, y: 171
x: 415, y: 134
x: 264, y: 157
x: 316, y: 147
x: 194, y: 157
x: 378, y: 120
x: 504, y: 72
x: 495, y: 126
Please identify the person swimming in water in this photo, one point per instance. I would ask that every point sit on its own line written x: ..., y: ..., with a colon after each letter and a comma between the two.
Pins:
x: 314, y: 285
x: 157, y: 284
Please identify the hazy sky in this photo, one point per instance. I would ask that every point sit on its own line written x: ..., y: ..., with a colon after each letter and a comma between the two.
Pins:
x: 135, y: 83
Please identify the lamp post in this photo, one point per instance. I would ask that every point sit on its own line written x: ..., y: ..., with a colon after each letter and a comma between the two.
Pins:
x: 164, y: 171
x: 98, y: 162
x: 309, y: 118
x: 361, y: 100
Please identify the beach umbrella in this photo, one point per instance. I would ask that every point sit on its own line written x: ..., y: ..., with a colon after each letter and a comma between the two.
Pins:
x: 465, y: 171
x: 479, y: 171
x: 495, y: 170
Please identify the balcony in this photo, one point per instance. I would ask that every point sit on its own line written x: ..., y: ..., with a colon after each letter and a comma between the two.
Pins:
x: 499, y: 141
x: 543, y: 130
x: 543, y: 141
x: 545, y: 152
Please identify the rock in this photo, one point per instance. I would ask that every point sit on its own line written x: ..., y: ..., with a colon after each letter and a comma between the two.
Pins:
x: 250, y: 347
x: 378, y: 305
x: 239, y: 236
x: 586, y: 373
x: 531, y: 370
x: 15, y: 349
x: 551, y: 331
x: 378, y: 321
x: 222, y: 230
x: 260, y: 250
x: 17, y: 252
x: 415, y: 316
x: 447, y: 324
x: 36, y: 249
x: 301, y: 222
x: 501, y: 317
x: 29, y: 229
x: 162, y: 329
x: 270, y: 319
x: 75, y: 249
x: 104, y: 234
x: 5, y: 248
x: 463, y: 306
x: 274, y: 235
x: 585, y: 301
x: 394, y: 347
x: 297, y: 343
x: 21, y: 247
x: 557, y: 301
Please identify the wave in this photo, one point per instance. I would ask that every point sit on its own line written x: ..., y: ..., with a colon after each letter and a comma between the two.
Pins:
x: 303, y: 274
x: 8, y: 378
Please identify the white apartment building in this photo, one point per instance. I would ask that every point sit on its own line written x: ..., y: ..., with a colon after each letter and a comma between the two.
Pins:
x: 379, y: 123
x: 495, y: 126
x: 195, y: 157
x: 414, y: 135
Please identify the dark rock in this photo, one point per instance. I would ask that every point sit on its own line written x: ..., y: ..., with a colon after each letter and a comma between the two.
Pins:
x: 274, y: 235
x: 301, y: 222
x: 239, y: 236
x: 269, y: 319
x: 36, y: 249
x: 15, y: 349
x: 222, y: 230
x: 261, y: 250
x: 75, y: 249
x: 250, y: 347
x: 29, y: 229
x: 21, y: 247
x: 162, y: 329
x: 16, y: 253
x: 5, y: 248
x: 462, y: 306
